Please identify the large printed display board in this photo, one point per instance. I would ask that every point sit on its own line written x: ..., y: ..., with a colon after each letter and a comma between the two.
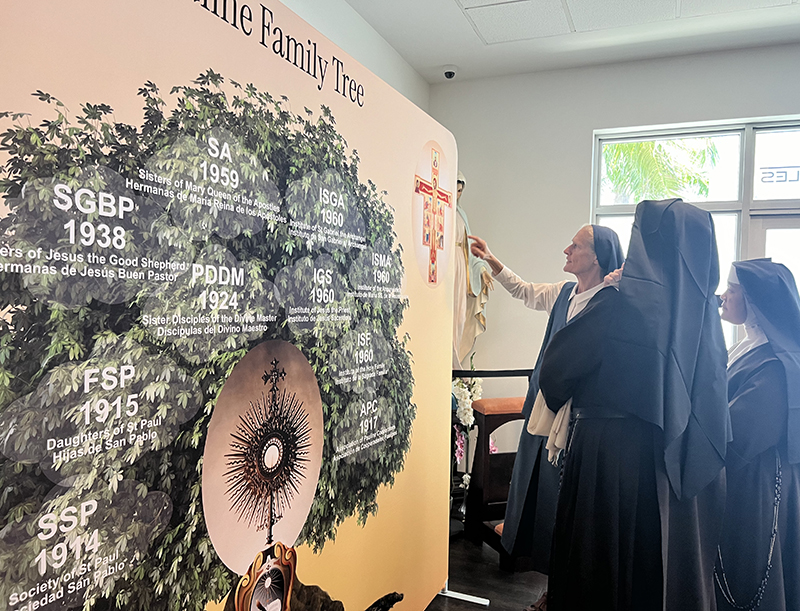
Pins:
x: 221, y: 376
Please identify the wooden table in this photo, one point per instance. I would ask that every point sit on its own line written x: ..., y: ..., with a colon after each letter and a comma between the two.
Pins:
x: 491, y: 473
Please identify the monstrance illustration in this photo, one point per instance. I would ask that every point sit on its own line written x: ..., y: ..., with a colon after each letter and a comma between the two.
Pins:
x: 260, y: 470
x: 268, y: 456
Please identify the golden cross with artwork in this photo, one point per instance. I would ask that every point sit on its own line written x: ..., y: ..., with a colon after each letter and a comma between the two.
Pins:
x: 434, y: 201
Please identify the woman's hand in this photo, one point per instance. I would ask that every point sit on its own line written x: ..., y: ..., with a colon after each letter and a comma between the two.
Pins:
x: 479, y: 247
x: 613, y: 278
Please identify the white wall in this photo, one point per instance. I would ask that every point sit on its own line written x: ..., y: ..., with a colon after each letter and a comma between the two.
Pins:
x: 339, y: 22
x: 525, y: 146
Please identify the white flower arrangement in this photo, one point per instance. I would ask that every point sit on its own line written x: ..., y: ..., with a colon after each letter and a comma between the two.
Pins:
x: 466, y: 390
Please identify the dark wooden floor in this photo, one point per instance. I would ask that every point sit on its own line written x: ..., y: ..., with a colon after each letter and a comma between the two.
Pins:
x: 474, y: 570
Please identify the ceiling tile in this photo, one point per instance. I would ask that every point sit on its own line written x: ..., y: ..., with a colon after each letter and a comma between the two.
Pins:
x: 431, y: 33
x: 519, y: 20
x: 477, y: 3
x: 592, y: 15
x: 695, y: 8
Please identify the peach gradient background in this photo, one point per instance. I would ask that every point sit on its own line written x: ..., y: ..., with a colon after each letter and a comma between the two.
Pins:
x: 99, y: 51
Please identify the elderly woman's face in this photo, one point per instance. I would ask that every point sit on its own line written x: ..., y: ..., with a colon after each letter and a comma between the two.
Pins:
x: 734, y: 308
x: 581, y: 258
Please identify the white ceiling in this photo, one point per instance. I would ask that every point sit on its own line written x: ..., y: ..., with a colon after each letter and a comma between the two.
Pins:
x: 497, y: 37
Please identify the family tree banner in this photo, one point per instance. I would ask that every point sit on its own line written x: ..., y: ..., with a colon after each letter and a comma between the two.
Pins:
x: 224, y: 343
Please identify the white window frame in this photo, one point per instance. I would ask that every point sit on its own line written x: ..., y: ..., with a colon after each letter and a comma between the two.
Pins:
x: 746, y: 207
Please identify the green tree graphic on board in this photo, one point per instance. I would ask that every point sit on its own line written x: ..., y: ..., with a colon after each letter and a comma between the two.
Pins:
x: 50, y: 332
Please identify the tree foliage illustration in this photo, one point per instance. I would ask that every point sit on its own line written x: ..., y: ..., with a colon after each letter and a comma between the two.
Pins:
x: 50, y: 333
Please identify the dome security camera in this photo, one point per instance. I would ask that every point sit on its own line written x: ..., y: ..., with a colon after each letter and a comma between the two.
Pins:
x: 450, y: 72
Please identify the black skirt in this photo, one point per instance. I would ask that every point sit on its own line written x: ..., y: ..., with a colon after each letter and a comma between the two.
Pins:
x: 622, y: 540
x: 607, y: 546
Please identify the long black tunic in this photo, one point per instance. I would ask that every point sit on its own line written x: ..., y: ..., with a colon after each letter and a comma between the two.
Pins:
x: 759, y: 411
x: 622, y: 540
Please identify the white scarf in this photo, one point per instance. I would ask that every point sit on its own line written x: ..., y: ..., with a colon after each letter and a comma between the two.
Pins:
x: 553, y: 426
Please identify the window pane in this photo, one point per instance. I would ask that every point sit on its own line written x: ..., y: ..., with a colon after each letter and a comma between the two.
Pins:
x: 622, y: 225
x: 777, y: 166
x: 726, y: 226
x: 782, y: 247
x: 698, y: 169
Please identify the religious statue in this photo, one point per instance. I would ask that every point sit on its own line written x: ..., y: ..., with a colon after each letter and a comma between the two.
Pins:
x: 473, y: 280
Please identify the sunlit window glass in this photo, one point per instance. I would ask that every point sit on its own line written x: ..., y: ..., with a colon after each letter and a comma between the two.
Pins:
x: 777, y: 165
x: 622, y: 225
x: 726, y: 226
x: 697, y: 169
x: 783, y: 246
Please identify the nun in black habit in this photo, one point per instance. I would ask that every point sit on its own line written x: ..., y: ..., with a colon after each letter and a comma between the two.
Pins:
x: 640, y: 505
x: 531, y: 507
x: 759, y: 553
